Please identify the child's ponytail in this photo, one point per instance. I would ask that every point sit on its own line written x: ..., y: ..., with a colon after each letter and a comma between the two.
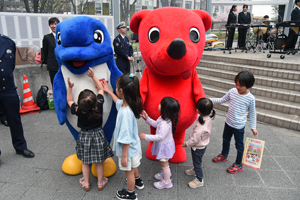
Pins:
x: 131, y: 90
x: 213, y: 113
x: 200, y: 119
x: 169, y: 109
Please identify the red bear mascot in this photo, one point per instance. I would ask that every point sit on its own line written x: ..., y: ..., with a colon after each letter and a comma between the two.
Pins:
x: 172, y: 42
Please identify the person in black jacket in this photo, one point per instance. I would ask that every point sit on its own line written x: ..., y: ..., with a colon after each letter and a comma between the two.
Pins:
x: 48, y: 49
x: 9, y: 99
x: 231, y: 20
x: 293, y: 36
x: 244, y: 17
x: 123, y: 49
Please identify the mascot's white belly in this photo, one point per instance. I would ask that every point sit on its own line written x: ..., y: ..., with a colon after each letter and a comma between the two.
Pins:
x: 82, y: 82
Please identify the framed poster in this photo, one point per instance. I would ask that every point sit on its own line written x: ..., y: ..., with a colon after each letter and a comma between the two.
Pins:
x: 253, y: 152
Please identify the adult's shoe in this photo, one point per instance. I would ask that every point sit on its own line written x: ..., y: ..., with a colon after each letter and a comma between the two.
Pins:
x: 26, y: 153
x: 4, y: 122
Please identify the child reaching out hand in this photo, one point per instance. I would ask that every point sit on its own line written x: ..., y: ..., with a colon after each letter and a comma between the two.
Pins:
x: 92, y: 146
x: 163, y: 142
x: 199, y: 139
x: 127, y: 143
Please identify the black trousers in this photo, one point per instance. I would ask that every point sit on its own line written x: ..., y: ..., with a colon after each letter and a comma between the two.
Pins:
x: 230, y: 37
x: 291, y: 40
x: 52, y: 74
x: 123, y: 65
x: 242, y: 37
x: 10, y: 102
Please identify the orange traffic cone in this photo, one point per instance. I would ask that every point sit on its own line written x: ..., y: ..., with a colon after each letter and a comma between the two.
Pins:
x: 29, y: 106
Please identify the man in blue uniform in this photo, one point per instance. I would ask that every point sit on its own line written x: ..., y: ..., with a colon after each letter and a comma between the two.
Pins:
x: 123, y: 49
x: 9, y: 99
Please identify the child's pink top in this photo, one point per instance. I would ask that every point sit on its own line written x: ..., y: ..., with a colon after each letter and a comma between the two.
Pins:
x: 199, y: 136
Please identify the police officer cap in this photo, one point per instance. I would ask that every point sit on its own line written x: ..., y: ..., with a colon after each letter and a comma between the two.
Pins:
x: 121, y: 25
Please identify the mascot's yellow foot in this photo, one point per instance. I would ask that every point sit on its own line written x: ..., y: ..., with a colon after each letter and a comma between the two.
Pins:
x: 72, y: 165
x: 109, y: 166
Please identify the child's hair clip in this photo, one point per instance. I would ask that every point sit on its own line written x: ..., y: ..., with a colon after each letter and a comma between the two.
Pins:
x: 131, y: 75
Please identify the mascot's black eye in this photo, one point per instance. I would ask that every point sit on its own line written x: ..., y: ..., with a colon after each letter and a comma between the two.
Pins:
x: 98, y: 36
x: 194, y: 35
x: 58, y: 38
x: 154, y: 34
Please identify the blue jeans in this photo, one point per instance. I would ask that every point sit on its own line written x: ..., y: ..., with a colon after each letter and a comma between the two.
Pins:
x: 239, y: 142
x: 197, y: 162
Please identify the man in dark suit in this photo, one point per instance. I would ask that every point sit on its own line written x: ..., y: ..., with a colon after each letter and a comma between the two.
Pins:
x: 48, y: 49
x: 123, y: 49
x: 9, y: 99
x: 291, y: 40
x: 244, y: 17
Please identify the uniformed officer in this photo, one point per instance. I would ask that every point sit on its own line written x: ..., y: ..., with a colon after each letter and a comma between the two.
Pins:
x: 9, y: 99
x: 123, y: 49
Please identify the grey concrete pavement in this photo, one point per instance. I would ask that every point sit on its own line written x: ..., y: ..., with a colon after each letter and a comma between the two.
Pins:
x: 41, y: 177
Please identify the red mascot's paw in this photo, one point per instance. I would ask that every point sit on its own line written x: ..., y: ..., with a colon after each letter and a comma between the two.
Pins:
x: 179, y: 155
x: 149, y: 153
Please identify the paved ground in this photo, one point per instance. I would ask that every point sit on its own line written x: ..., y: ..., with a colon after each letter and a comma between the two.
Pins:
x: 42, y: 178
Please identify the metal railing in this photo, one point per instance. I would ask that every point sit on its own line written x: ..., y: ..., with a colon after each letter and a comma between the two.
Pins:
x: 29, y: 28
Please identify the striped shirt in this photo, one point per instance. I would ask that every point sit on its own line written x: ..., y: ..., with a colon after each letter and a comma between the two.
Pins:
x: 239, y: 107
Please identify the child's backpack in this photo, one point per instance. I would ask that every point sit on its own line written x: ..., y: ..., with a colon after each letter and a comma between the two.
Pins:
x: 41, y: 98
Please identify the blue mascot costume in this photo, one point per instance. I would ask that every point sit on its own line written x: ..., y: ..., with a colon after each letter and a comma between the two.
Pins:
x: 83, y: 42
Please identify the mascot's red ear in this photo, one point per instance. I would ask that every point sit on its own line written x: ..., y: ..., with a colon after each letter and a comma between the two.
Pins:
x: 136, y: 19
x: 205, y: 18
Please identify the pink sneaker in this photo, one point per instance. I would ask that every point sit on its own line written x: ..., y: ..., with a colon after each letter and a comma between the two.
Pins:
x: 159, y: 175
x: 162, y: 184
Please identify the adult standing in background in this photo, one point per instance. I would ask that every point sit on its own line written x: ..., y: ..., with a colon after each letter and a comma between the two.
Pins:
x: 9, y: 99
x: 291, y: 40
x: 123, y: 49
x: 48, y: 49
x: 232, y: 19
x: 244, y: 17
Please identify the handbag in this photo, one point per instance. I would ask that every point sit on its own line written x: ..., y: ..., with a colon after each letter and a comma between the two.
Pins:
x: 25, y: 55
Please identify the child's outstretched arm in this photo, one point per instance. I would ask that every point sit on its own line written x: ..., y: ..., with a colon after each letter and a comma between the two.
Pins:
x: 69, y: 93
x: 108, y: 91
x: 221, y: 100
x: 96, y: 81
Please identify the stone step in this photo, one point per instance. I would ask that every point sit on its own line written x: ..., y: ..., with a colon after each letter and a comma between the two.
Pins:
x: 261, y: 102
x: 256, y: 70
x: 259, y: 80
x: 267, y: 116
x: 257, y: 90
x: 250, y: 61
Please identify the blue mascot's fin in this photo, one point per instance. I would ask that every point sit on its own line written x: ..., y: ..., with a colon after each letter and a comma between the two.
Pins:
x: 110, y: 127
x: 115, y: 73
x: 72, y: 130
x: 60, y: 97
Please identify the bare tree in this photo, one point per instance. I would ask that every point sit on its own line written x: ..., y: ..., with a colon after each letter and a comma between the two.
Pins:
x: 83, y: 6
x: 125, y: 8
x: 165, y: 3
x: 1, y: 5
